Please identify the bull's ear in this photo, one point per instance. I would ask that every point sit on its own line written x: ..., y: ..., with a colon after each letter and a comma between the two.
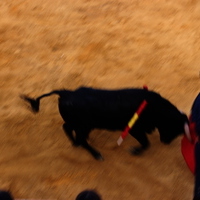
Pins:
x: 187, y: 132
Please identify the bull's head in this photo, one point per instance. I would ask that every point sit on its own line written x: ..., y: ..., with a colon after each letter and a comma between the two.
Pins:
x: 175, y: 127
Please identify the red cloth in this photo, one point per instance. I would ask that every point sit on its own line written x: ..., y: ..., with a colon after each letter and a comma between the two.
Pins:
x: 187, y: 148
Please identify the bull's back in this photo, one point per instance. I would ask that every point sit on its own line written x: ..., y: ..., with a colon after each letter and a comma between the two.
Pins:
x: 109, y: 109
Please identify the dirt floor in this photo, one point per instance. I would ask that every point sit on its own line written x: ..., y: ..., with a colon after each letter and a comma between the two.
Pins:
x: 48, y: 44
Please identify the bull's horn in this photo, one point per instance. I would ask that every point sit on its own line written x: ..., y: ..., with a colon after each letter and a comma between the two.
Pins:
x: 187, y: 132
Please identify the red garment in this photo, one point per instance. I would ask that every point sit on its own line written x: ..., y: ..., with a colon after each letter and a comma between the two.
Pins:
x: 187, y: 148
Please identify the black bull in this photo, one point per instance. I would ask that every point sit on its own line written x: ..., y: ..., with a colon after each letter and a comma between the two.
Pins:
x: 86, y: 109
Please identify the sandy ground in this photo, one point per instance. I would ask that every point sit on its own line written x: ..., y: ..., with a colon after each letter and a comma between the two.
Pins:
x: 46, y: 45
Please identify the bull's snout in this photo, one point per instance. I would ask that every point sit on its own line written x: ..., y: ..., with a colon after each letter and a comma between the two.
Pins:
x: 165, y: 141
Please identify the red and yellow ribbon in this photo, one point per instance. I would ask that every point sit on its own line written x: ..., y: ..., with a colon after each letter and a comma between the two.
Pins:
x: 132, y: 122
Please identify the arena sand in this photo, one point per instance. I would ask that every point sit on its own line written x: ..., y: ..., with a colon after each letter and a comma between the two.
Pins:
x: 46, y: 45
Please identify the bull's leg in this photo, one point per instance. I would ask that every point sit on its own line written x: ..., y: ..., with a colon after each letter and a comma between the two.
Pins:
x: 81, y: 139
x: 143, y: 140
x: 94, y: 152
x: 69, y: 132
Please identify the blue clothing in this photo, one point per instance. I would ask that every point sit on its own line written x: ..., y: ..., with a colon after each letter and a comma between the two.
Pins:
x: 195, y: 117
x: 195, y: 114
x: 5, y: 195
x: 197, y: 172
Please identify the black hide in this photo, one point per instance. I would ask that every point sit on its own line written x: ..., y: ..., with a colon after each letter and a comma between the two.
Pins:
x: 86, y: 109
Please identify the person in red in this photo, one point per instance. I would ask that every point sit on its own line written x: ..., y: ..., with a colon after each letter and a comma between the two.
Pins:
x: 195, y: 120
x: 191, y: 148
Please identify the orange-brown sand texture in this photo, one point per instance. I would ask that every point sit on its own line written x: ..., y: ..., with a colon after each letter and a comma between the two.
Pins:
x: 48, y: 44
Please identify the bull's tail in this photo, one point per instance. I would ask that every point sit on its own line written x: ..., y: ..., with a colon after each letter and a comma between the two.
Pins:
x: 35, y: 103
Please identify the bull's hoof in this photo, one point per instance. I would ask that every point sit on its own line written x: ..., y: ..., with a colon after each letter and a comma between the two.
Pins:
x: 75, y: 144
x: 137, y: 151
x: 99, y: 157
x: 196, y: 198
